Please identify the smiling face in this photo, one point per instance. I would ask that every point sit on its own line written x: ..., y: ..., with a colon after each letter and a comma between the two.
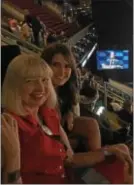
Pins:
x: 61, y: 70
x: 35, y: 91
x: 28, y: 85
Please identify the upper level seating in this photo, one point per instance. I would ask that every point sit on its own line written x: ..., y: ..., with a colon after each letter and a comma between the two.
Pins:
x: 50, y: 19
x: 84, y: 45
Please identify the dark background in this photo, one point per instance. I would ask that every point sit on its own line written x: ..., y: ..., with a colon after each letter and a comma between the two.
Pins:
x: 113, y: 21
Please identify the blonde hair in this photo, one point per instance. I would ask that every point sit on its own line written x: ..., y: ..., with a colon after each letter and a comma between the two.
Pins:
x: 22, y: 67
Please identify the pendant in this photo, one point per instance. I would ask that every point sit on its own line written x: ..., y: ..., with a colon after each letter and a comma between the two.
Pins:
x: 47, y: 130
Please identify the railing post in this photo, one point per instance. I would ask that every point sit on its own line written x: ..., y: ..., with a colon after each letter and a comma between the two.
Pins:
x: 105, y: 94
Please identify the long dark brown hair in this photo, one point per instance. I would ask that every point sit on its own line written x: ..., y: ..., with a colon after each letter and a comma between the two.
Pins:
x: 68, y: 92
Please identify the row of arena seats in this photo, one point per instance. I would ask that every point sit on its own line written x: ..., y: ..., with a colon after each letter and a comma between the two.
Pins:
x: 50, y: 19
x: 72, y: 13
x: 84, y: 45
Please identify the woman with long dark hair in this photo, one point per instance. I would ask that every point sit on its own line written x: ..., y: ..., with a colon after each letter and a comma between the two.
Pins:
x: 62, y: 62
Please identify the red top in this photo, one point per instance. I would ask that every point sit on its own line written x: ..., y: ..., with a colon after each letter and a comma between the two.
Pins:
x: 42, y: 157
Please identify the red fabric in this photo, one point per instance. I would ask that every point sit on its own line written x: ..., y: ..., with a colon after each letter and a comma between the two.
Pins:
x: 42, y: 158
x: 112, y: 169
x: 43, y: 179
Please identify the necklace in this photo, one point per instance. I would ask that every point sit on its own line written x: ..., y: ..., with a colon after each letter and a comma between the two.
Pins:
x: 46, y: 130
x: 45, y: 127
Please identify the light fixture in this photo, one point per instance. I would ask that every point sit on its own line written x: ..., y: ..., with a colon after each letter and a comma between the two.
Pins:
x: 100, y: 110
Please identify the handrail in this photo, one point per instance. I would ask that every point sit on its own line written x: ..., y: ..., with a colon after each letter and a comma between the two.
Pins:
x: 121, y: 87
x: 87, y: 56
x: 23, y: 43
x: 14, y: 6
x: 111, y: 95
x: 8, y: 42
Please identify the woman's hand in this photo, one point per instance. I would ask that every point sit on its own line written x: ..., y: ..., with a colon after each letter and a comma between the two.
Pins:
x: 70, y: 154
x: 124, y: 157
x: 128, y: 178
x: 10, y: 146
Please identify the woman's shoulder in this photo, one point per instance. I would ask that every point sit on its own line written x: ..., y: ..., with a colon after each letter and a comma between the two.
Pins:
x: 8, y: 124
x: 8, y: 118
x: 47, y: 111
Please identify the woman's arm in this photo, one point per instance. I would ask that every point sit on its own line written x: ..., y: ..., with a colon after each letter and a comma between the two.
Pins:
x: 95, y: 157
x: 76, y: 109
x: 68, y: 119
x: 87, y: 159
x: 64, y: 138
x: 11, y: 150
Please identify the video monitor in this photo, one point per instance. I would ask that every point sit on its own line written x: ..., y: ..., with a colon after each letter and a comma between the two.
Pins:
x: 112, y: 59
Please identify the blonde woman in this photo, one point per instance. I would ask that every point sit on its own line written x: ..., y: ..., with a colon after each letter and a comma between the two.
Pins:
x: 31, y: 131
x: 27, y: 86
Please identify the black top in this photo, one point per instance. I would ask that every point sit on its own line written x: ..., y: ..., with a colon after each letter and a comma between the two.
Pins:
x: 125, y: 115
x: 33, y: 22
x: 64, y: 104
x: 51, y: 38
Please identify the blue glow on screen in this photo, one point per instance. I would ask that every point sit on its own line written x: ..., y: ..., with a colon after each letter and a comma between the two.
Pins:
x: 112, y: 59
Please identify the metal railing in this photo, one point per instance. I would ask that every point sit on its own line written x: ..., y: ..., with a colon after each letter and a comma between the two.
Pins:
x: 87, y: 55
x: 111, y: 92
x: 20, y: 42
x: 9, y: 41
